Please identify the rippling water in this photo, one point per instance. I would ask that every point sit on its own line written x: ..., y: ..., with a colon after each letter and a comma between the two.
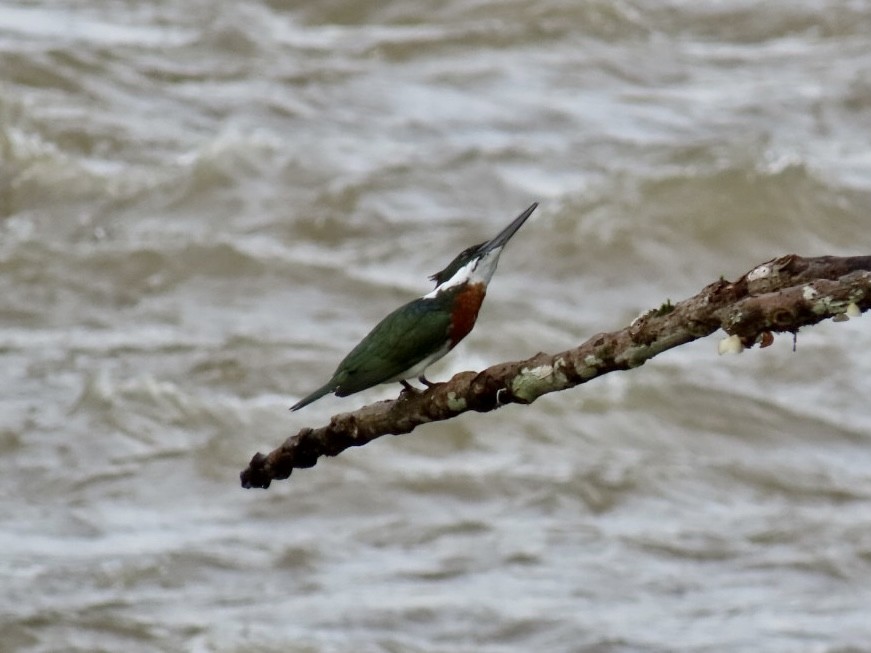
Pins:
x: 204, y: 205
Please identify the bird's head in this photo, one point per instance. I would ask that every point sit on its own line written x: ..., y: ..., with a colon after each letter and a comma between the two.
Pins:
x: 478, y: 263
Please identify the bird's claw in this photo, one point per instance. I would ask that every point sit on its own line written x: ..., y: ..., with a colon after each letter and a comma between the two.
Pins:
x: 426, y: 381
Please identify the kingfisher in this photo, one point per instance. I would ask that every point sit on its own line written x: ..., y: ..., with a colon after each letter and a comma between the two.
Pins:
x: 416, y: 335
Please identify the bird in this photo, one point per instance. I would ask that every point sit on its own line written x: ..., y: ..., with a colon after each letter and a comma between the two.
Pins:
x: 414, y: 336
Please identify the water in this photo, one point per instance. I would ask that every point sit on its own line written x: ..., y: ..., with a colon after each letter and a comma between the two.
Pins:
x: 204, y: 205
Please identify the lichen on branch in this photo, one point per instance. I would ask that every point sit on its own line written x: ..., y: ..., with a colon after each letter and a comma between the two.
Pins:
x: 779, y: 296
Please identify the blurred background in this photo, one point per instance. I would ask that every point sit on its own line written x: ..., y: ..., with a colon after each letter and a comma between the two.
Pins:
x: 205, y: 205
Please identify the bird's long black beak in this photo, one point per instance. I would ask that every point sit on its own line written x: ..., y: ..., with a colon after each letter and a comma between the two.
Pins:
x: 506, y: 234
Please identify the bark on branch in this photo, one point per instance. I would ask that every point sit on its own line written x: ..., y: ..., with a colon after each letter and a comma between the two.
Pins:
x: 781, y: 295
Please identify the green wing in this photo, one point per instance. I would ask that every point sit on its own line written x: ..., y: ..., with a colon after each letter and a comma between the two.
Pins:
x: 397, y: 343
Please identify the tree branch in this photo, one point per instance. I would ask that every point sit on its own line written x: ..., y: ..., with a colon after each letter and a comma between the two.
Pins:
x: 781, y: 295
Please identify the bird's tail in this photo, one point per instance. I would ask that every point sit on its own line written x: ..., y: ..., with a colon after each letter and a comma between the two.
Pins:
x: 325, y: 389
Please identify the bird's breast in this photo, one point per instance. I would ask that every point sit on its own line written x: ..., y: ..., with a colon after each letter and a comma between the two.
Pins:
x: 465, y: 309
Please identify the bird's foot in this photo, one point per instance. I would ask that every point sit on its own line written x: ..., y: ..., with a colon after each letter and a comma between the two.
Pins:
x: 408, y: 389
x: 426, y: 381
